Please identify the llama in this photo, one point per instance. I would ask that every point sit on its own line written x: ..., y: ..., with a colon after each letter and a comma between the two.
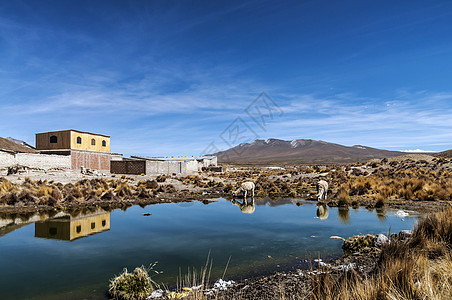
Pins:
x: 322, y: 190
x: 245, y: 187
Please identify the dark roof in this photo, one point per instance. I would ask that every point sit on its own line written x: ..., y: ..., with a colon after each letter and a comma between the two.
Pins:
x: 8, y: 145
x: 75, y: 131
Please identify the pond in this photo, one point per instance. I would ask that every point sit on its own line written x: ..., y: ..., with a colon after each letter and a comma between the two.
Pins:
x: 74, y: 256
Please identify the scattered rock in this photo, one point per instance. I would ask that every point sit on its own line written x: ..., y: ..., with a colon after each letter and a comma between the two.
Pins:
x: 401, y: 213
x: 405, y: 234
x: 382, y: 240
x: 359, y: 243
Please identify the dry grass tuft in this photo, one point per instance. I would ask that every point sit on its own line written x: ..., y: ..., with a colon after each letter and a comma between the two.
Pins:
x: 343, y: 198
x: 128, y: 286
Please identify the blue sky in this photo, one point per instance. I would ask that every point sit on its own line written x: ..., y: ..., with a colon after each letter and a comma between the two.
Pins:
x: 176, y: 77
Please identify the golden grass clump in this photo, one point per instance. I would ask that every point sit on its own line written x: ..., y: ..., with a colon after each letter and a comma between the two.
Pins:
x: 380, y: 201
x: 6, y: 186
x: 128, y: 286
x: 44, y: 191
x: 343, y: 198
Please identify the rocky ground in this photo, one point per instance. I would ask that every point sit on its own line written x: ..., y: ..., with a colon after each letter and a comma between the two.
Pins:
x: 415, y: 182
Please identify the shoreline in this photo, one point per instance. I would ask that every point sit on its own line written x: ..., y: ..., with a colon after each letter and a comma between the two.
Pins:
x: 418, y: 206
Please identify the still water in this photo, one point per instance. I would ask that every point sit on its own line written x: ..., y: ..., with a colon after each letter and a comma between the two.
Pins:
x: 74, y: 256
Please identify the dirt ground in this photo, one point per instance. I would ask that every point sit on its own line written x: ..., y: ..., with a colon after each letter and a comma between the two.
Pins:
x: 281, y: 182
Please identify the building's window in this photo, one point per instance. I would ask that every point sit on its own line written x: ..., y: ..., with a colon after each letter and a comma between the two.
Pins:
x: 52, y: 231
x: 93, y: 142
x: 79, y: 140
x: 53, y: 139
x: 79, y: 228
x: 103, y: 223
x: 93, y: 225
x: 104, y: 144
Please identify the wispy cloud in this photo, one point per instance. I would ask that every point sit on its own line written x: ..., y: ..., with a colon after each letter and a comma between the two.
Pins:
x: 168, y: 79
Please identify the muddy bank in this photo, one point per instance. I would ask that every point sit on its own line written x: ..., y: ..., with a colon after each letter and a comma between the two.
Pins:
x: 361, y: 256
x: 43, y: 195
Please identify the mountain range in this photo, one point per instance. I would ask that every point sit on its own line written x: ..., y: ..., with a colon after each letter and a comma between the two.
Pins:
x: 300, y: 151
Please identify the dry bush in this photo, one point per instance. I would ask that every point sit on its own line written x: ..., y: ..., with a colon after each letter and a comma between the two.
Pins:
x: 149, y: 184
x: 6, y: 186
x: 44, y: 190
x: 343, y: 197
x: 380, y: 201
x: 128, y: 286
x: 161, y: 178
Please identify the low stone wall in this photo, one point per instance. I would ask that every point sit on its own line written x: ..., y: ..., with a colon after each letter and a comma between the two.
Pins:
x: 34, y: 161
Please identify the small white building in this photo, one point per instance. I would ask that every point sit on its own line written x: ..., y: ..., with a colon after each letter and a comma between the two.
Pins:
x: 180, y: 165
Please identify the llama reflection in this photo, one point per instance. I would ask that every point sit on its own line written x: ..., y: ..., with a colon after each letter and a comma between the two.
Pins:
x: 322, y: 212
x: 245, y: 206
x: 71, y: 227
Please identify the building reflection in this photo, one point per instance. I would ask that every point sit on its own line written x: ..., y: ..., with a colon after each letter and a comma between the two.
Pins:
x: 70, y: 227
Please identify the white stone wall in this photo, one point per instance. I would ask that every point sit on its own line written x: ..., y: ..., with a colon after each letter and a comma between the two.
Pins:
x: 205, y: 163
x: 191, y: 167
x: 6, y: 160
x: 34, y: 161
x: 170, y: 167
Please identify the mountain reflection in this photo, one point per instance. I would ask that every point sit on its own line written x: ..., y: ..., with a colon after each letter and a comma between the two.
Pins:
x: 71, y: 227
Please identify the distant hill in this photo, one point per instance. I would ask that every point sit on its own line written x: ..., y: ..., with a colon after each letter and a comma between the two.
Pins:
x: 301, y: 151
x: 445, y: 154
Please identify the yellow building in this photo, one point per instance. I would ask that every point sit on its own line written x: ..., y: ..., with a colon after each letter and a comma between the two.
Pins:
x: 72, y: 140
